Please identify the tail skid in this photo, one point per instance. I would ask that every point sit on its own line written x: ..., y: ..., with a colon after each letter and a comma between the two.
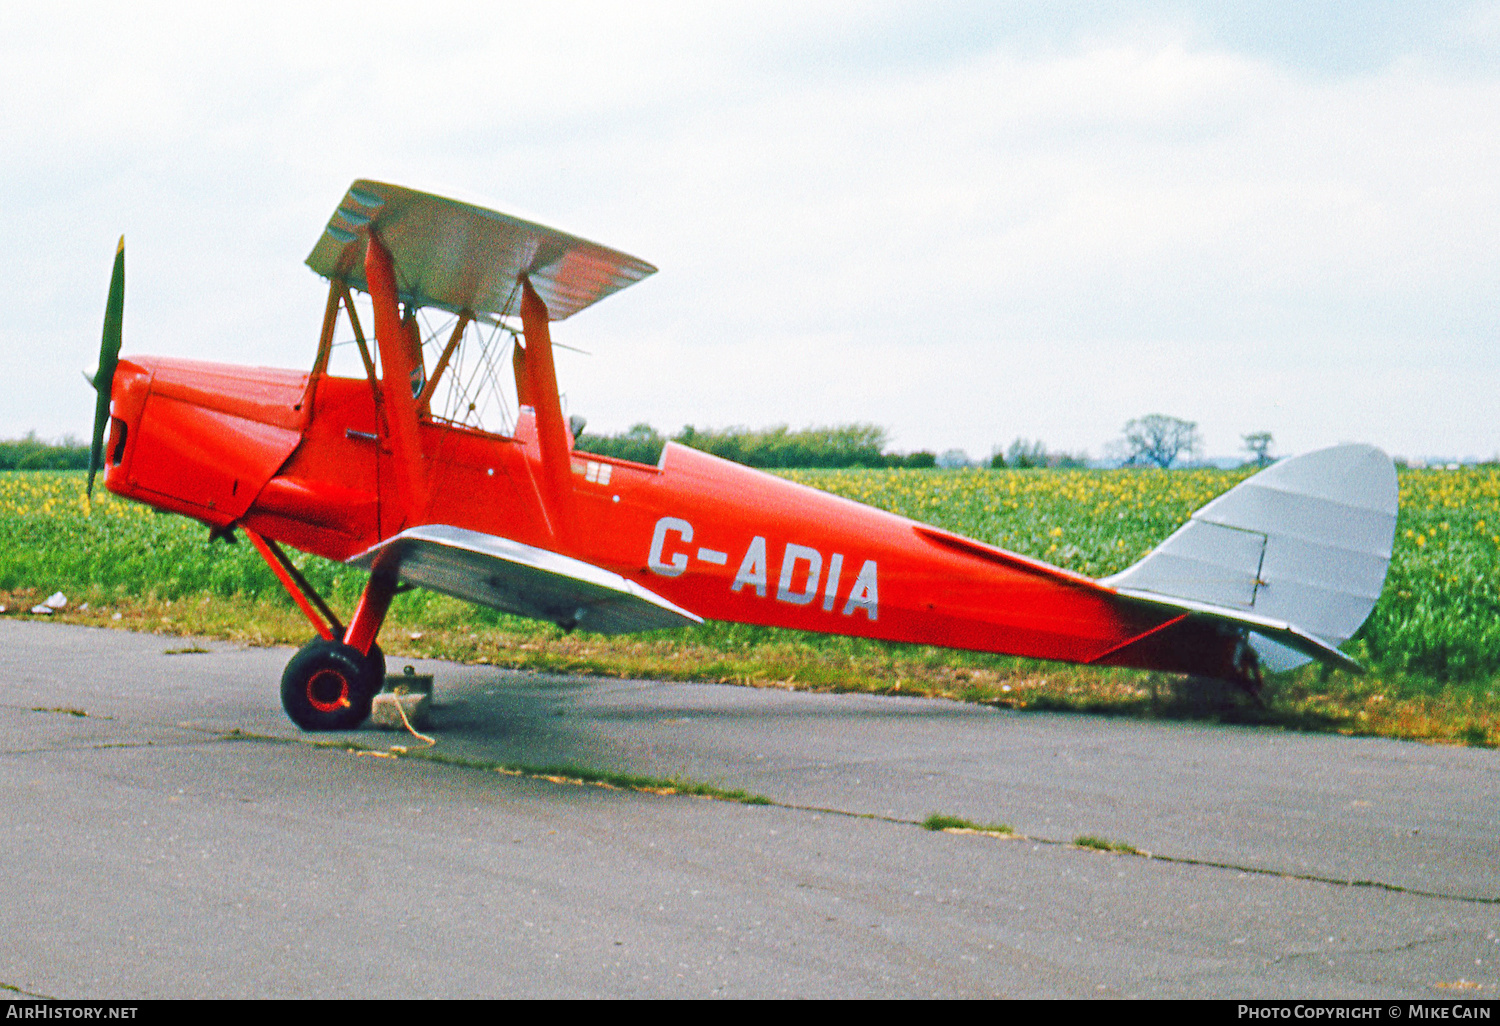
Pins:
x: 1296, y: 556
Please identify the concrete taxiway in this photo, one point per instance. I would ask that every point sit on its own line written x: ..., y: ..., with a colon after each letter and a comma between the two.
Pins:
x: 165, y: 831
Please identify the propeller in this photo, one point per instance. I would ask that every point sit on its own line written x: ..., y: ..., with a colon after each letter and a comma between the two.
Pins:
x: 109, y: 356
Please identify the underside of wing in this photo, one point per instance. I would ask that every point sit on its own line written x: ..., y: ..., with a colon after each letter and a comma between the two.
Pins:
x: 520, y: 579
x: 457, y: 256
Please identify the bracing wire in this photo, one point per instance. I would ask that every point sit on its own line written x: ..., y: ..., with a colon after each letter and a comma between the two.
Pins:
x: 476, y: 389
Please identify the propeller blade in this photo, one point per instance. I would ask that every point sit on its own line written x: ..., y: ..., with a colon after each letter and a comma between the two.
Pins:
x: 109, y: 356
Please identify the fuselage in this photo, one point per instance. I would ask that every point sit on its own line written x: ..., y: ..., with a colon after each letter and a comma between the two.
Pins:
x: 305, y: 459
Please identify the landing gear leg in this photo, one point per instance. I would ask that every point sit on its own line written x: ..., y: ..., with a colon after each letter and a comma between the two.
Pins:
x: 332, y: 680
x: 374, y: 602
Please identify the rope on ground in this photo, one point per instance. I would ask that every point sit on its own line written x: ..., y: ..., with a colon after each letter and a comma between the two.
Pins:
x: 399, y: 692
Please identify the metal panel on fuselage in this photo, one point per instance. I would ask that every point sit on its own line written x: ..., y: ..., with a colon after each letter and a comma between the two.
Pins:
x: 201, y: 441
x: 482, y: 482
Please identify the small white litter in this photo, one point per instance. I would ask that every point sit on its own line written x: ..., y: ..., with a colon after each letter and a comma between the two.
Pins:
x: 43, y: 610
x: 57, y: 600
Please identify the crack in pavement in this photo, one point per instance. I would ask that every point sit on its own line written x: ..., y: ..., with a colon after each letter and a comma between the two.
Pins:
x: 1408, y: 946
x: 105, y: 745
x: 551, y: 775
x: 1326, y: 952
x: 623, y: 781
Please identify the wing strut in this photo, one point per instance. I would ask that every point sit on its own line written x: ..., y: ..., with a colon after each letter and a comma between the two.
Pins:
x: 552, y: 437
x: 399, y: 380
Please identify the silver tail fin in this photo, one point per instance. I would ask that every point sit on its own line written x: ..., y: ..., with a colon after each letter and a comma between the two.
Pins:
x: 1298, y: 553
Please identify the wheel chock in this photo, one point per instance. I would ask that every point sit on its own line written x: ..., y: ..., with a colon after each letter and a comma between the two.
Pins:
x: 409, y: 692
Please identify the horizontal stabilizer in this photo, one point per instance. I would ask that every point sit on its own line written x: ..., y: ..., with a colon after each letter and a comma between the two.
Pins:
x: 516, y: 578
x: 1303, y: 547
x: 1262, y: 629
x: 457, y: 256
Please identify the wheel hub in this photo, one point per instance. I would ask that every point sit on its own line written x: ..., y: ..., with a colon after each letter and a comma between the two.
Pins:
x: 328, y: 691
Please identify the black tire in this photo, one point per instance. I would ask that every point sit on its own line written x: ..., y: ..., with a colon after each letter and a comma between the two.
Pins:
x: 375, y: 666
x: 327, y: 686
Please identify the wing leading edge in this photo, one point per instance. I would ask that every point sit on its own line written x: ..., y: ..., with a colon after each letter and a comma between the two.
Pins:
x: 516, y: 578
x: 458, y: 256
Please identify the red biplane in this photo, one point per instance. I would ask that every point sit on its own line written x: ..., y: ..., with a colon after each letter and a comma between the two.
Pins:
x: 401, y: 468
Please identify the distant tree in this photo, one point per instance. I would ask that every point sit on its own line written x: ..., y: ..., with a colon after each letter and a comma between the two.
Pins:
x: 1258, y: 445
x: 922, y: 460
x: 952, y: 459
x: 1024, y: 454
x: 847, y: 445
x: 642, y: 444
x: 31, y: 453
x: 1159, y: 441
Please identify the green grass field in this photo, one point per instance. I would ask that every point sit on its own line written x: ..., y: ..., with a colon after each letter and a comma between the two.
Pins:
x: 1433, y: 642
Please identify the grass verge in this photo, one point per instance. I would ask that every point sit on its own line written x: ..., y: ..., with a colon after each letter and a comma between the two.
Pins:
x: 571, y: 774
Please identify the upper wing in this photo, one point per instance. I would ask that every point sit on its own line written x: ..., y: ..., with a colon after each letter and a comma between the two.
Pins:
x: 520, y: 579
x: 457, y: 256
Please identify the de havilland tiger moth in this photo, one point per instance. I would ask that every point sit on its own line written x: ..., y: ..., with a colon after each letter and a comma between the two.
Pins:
x: 397, y: 471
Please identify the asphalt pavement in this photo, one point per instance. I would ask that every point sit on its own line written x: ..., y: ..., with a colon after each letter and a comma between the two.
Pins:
x: 166, y: 832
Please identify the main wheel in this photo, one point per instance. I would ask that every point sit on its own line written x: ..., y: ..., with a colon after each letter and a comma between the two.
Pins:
x: 375, y: 666
x: 328, y: 686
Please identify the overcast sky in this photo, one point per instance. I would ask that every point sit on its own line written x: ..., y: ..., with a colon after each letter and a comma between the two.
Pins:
x: 965, y: 223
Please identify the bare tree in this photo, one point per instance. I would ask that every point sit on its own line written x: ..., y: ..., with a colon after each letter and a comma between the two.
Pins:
x: 1158, y: 440
x: 1258, y: 445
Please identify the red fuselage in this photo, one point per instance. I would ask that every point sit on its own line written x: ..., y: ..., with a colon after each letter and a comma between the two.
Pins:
x: 307, y: 459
